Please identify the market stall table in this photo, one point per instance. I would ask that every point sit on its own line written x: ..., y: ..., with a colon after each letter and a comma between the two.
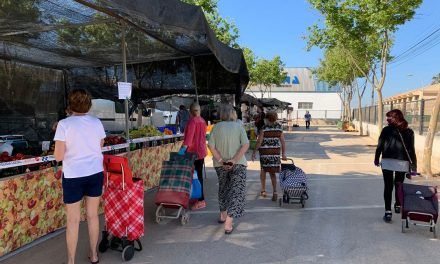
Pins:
x: 31, y: 203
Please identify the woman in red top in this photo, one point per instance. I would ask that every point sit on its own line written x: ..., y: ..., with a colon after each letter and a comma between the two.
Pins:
x: 195, y: 142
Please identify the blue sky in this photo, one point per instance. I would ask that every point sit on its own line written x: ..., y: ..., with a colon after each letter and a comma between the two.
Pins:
x: 276, y: 27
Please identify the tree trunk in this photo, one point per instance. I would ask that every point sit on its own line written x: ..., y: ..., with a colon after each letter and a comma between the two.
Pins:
x: 379, y: 110
x: 360, y: 117
x: 429, y: 141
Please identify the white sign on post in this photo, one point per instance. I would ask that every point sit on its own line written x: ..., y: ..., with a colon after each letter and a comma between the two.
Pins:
x: 124, y: 90
x: 45, y: 145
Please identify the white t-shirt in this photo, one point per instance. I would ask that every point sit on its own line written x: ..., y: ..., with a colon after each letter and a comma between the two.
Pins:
x: 82, y: 136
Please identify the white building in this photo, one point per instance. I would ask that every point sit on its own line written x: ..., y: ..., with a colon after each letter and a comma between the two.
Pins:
x: 305, y: 93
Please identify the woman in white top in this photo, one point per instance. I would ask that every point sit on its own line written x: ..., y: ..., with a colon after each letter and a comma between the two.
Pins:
x: 78, y: 142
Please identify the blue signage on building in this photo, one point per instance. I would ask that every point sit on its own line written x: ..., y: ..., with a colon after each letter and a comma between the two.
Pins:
x: 295, y: 80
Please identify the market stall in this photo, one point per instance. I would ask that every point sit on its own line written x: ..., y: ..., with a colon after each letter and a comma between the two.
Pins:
x: 31, y: 203
x: 48, y: 48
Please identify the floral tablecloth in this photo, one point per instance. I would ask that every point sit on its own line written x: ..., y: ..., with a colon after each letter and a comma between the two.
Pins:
x: 31, y: 204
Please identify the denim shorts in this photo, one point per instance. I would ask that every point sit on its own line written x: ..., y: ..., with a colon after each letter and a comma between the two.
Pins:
x: 74, y: 189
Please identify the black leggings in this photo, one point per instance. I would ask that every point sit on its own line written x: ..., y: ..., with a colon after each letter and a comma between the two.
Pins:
x: 391, y: 182
x: 198, y: 166
x: 307, y: 124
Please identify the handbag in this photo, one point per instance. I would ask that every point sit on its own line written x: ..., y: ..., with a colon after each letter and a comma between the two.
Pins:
x: 412, y: 166
x: 196, y: 187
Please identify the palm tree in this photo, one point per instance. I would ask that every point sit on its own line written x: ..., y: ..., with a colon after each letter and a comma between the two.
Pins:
x: 436, y: 79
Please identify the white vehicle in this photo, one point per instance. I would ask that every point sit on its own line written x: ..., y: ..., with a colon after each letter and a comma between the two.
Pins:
x: 105, y: 110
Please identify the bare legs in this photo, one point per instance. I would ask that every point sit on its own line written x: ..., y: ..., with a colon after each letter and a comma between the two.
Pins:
x: 73, y: 213
x: 273, y: 179
x: 92, y: 204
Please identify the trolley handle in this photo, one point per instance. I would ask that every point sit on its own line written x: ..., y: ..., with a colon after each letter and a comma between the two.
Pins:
x: 289, y: 159
x: 123, y: 177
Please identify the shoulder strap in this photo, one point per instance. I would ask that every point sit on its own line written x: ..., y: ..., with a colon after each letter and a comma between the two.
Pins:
x: 406, y: 150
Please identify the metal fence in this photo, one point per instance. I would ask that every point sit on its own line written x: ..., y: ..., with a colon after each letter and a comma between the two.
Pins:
x: 317, y: 114
x: 417, y: 113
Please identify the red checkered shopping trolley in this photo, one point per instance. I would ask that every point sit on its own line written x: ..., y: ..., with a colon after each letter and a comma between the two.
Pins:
x: 123, y: 208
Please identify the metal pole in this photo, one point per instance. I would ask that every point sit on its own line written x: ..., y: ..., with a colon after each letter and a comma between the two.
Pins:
x: 124, y: 73
x: 422, y: 114
x: 195, y: 77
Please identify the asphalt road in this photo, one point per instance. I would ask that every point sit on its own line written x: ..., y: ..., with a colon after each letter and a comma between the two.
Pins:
x: 341, y: 222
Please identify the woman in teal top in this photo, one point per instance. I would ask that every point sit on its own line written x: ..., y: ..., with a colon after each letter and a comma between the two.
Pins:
x: 228, y: 143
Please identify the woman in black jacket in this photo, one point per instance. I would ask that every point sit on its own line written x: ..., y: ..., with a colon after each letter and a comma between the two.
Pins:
x: 396, y: 145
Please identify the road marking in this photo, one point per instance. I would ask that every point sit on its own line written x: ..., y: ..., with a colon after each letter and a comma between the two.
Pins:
x: 277, y: 209
x: 331, y: 179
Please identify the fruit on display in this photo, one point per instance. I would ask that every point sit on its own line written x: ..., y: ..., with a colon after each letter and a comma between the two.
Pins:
x: 114, y: 140
x: 167, y: 131
x: 4, y: 157
x: 145, y: 131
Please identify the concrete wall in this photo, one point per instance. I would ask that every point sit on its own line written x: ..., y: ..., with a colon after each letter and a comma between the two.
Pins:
x: 325, y: 104
x: 372, y: 131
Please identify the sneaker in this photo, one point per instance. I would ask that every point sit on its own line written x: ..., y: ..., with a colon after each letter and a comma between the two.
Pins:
x: 198, y: 205
x: 387, y: 217
x: 397, y: 209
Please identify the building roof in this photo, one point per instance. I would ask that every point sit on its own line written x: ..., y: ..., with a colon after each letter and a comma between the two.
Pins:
x: 427, y: 92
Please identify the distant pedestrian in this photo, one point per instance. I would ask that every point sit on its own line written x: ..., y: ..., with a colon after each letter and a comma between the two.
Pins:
x: 396, y: 146
x: 307, y: 118
x: 228, y: 143
x: 259, y: 118
x: 270, y: 144
x: 195, y: 142
x: 182, y: 118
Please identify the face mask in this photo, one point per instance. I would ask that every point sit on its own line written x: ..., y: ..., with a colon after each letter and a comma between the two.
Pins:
x: 389, y: 121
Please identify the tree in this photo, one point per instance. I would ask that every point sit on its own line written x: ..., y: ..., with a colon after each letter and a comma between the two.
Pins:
x: 226, y: 31
x: 366, y: 25
x: 338, y: 69
x: 429, y: 140
x: 27, y: 11
x: 268, y: 73
x: 436, y: 79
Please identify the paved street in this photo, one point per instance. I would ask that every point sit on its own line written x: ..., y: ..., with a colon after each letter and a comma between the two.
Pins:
x: 341, y: 222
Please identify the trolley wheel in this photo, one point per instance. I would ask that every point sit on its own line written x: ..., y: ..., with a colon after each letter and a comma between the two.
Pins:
x: 285, y: 198
x: 280, y: 202
x: 104, y: 244
x: 115, y: 243
x: 403, y: 226
x: 184, y: 219
x: 128, y: 253
x: 160, y: 212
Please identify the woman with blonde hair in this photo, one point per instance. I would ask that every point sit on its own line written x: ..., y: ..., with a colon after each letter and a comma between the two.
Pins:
x: 270, y: 143
x: 228, y: 143
x: 195, y: 142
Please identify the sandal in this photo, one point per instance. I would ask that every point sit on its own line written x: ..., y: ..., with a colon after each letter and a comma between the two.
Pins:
x: 94, y: 262
x: 220, y: 220
x: 198, y: 205
x: 228, y: 232
x: 274, y: 196
x: 263, y: 194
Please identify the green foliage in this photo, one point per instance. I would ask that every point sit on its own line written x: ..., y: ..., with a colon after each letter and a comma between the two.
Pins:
x: 361, y: 27
x: 251, y: 60
x: 436, y: 79
x: 337, y: 67
x: 268, y: 72
x: 226, y: 31
x: 24, y: 9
